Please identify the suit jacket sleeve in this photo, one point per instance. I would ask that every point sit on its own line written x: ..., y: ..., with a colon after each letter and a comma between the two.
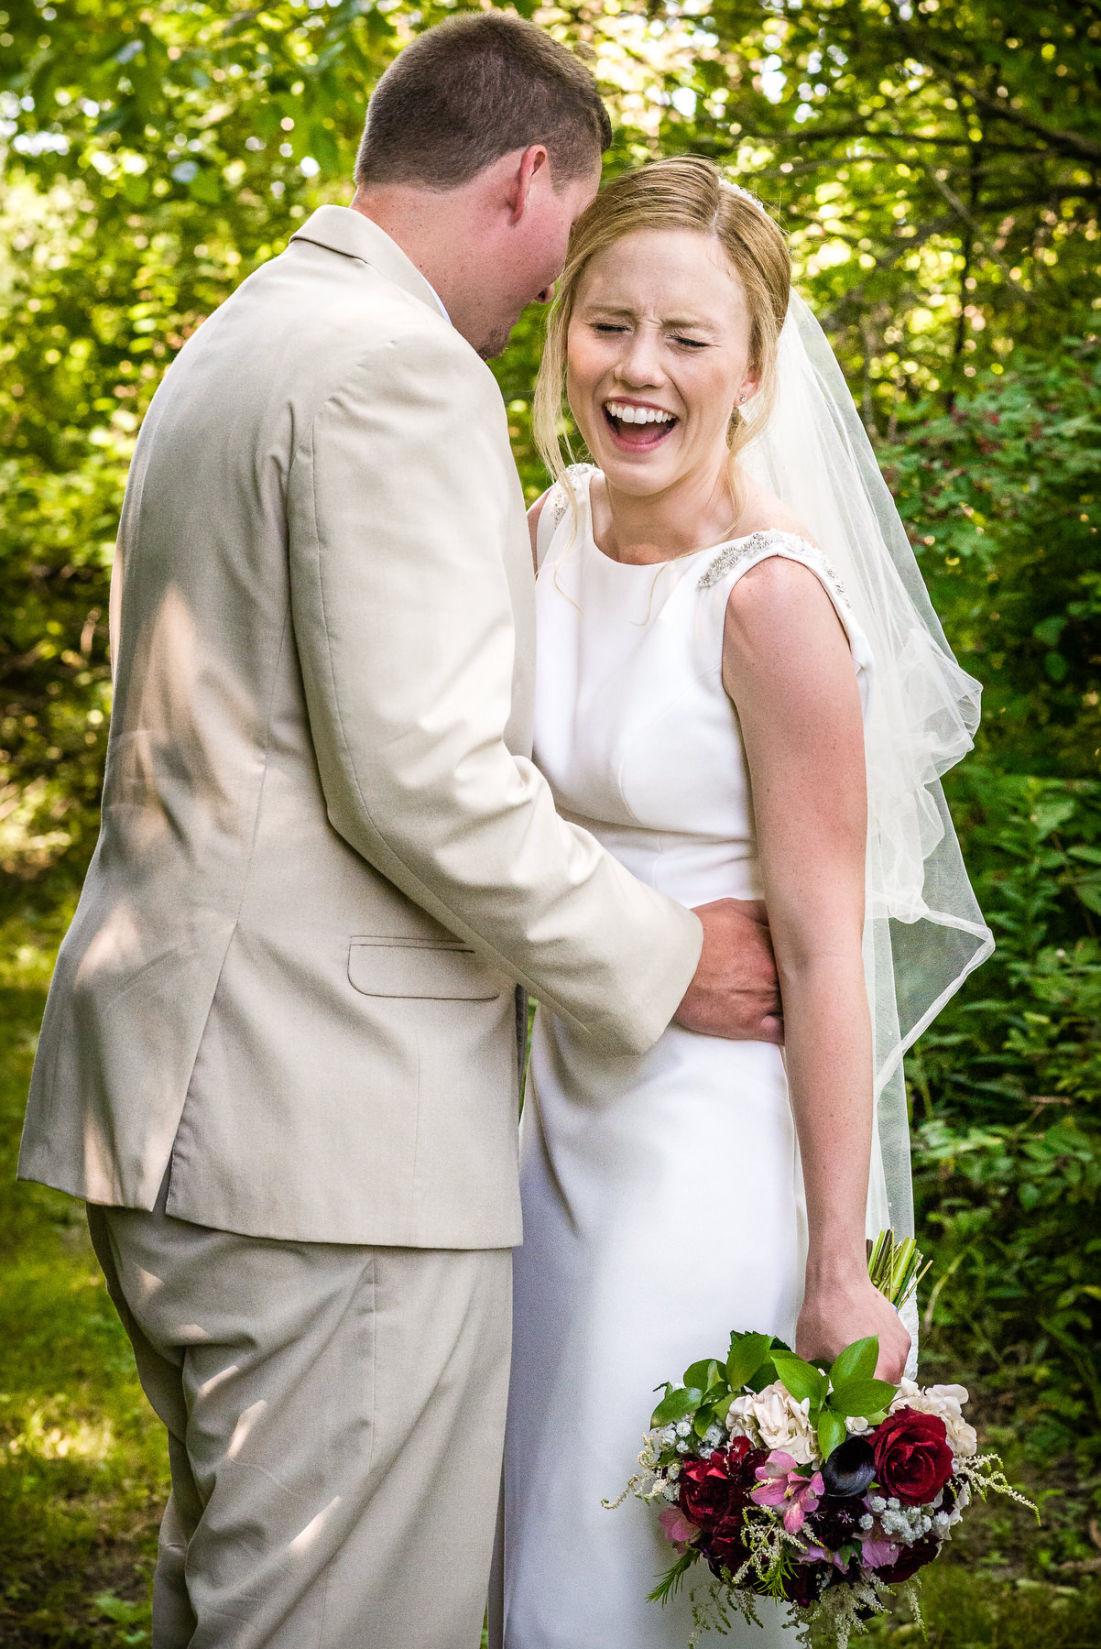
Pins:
x: 401, y: 505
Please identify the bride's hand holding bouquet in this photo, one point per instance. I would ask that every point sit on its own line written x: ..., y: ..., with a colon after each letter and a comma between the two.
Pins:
x: 813, y: 1481
x: 842, y: 1304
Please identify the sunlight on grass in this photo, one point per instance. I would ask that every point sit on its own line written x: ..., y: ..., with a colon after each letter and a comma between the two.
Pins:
x: 81, y: 1440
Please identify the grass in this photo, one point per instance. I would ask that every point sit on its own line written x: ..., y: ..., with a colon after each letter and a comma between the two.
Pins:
x: 83, y: 1468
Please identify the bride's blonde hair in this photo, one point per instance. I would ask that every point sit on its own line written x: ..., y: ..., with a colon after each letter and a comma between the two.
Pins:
x: 685, y: 192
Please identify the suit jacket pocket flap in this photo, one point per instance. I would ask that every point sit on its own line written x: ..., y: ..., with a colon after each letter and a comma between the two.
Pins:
x: 419, y: 967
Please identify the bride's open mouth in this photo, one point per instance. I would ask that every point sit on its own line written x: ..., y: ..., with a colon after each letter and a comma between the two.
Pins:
x: 638, y: 428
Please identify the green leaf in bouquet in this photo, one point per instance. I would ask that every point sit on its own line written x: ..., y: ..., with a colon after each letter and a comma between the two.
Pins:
x: 703, y: 1419
x: 861, y: 1397
x: 856, y: 1362
x: 831, y: 1432
x: 669, y: 1584
x: 802, y: 1379
x: 677, y: 1404
x: 747, y: 1353
x: 702, y: 1374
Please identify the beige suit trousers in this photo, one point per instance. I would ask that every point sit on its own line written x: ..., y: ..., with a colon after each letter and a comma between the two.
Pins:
x: 335, y: 1418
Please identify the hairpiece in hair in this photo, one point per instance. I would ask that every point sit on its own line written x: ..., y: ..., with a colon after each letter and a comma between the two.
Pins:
x: 736, y: 189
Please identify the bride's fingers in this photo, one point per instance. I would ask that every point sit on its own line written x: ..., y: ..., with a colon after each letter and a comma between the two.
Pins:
x: 890, y: 1369
x: 755, y: 908
x: 891, y: 1363
x: 772, y: 1028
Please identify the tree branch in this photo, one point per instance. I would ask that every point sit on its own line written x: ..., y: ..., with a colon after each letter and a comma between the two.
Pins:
x: 1057, y: 138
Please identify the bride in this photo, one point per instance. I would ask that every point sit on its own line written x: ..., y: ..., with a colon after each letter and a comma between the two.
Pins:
x: 741, y: 690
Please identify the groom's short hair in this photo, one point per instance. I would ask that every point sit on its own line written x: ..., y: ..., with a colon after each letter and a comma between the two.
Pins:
x: 472, y: 89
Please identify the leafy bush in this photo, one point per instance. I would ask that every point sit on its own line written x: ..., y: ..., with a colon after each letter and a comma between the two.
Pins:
x: 1008, y: 1138
x: 1000, y: 495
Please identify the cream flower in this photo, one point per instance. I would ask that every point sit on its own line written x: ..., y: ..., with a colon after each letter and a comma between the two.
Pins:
x: 945, y: 1401
x: 775, y: 1420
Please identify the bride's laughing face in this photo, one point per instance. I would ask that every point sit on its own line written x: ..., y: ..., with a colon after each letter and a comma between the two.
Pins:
x: 658, y: 357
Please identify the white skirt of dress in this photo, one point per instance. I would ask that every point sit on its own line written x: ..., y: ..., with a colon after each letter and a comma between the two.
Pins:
x: 663, y: 1207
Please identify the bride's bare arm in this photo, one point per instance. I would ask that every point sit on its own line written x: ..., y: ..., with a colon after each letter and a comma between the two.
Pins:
x: 787, y: 667
x: 534, y: 512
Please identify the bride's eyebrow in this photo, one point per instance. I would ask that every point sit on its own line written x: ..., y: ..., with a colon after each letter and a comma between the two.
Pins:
x: 624, y: 312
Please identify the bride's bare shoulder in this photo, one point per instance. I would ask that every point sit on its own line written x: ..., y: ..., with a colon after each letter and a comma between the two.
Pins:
x: 778, y: 590
x: 762, y: 511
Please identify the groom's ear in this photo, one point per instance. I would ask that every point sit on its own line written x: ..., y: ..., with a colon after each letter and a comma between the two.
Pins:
x: 531, y: 167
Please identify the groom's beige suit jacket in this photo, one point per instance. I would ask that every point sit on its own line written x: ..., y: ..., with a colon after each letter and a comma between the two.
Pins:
x: 325, y: 858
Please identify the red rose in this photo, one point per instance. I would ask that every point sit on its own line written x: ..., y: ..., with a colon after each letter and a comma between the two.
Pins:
x: 715, y: 1490
x: 912, y: 1459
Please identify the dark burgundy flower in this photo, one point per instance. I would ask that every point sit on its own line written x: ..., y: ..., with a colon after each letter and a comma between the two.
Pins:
x: 912, y: 1459
x: 850, y: 1468
x: 910, y: 1559
x: 716, y: 1489
x: 836, y: 1522
x: 807, y: 1582
x: 724, y: 1546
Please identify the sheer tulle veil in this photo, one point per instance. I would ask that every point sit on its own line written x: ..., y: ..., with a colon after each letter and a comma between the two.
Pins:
x: 924, y: 932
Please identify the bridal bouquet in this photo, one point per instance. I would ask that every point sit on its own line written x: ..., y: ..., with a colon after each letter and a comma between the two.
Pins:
x: 812, y: 1483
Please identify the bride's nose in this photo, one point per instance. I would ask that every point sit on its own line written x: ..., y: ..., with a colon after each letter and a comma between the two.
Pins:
x: 640, y: 361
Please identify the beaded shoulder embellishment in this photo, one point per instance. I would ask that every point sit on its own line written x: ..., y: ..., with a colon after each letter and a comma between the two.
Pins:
x: 558, y: 504
x: 558, y: 501
x: 743, y: 549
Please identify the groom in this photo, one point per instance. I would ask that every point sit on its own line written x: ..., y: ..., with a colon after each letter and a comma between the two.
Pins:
x: 279, y: 1058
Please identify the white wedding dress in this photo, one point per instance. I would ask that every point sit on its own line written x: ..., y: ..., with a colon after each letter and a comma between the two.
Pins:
x: 663, y: 1201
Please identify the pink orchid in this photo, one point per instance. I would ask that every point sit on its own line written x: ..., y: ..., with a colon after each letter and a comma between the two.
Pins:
x: 781, y: 1483
x: 676, y: 1527
x: 878, y: 1554
x: 819, y: 1554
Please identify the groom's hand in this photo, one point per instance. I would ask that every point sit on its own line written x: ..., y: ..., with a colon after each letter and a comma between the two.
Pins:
x: 734, y: 991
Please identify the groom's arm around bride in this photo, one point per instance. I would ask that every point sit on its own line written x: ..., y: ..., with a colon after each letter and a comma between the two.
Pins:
x: 279, y: 1056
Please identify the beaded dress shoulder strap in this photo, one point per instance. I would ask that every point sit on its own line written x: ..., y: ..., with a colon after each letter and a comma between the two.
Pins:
x: 741, y: 550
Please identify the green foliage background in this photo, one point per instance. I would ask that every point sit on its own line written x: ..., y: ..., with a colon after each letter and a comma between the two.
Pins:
x: 936, y: 164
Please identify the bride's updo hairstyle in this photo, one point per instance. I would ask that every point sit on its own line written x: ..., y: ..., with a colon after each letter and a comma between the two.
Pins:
x: 685, y: 192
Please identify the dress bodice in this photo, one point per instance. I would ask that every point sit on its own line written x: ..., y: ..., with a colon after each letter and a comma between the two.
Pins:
x: 633, y: 727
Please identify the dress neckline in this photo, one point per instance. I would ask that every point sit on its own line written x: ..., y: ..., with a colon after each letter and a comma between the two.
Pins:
x: 723, y: 544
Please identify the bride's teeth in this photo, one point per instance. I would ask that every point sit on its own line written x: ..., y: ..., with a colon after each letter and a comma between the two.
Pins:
x: 638, y: 415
